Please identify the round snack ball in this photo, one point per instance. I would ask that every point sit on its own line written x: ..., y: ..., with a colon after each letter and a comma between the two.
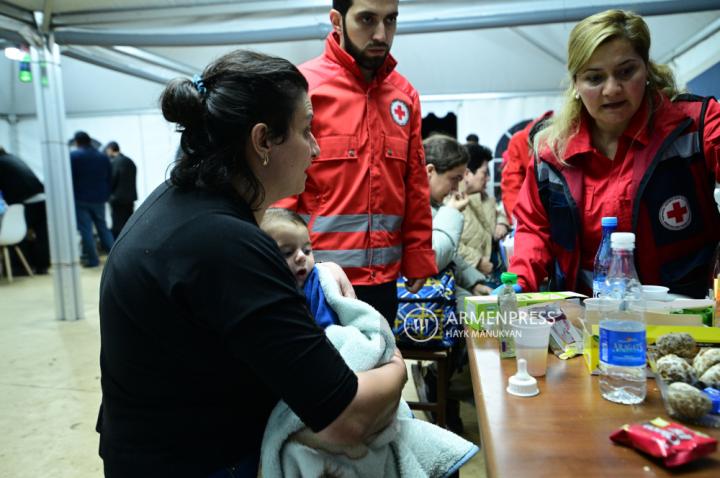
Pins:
x: 711, y: 377
x: 682, y: 345
x: 675, y: 369
x: 688, y: 401
x: 706, y: 359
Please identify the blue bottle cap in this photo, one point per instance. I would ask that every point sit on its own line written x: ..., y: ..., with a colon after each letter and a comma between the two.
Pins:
x: 609, y: 221
x: 714, y: 395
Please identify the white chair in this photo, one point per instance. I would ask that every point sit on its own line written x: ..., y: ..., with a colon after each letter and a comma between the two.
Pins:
x: 12, y: 232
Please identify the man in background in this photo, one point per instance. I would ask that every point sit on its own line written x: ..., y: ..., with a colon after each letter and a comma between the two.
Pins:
x: 366, y: 196
x: 123, y: 192
x: 472, y: 138
x: 91, y: 175
x: 516, y: 159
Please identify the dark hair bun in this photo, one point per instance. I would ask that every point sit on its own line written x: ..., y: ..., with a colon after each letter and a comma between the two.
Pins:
x: 181, y: 103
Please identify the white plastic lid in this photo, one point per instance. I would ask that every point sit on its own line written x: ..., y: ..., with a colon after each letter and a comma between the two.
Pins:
x: 622, y: 240
x: 522, y: 383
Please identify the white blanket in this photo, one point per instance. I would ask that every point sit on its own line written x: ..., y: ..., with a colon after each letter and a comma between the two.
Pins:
x: 408, y: 448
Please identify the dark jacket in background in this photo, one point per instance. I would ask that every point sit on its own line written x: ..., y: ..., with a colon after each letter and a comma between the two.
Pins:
x: 91, y: 175
x: 124, y: 173
x: 17, y: 181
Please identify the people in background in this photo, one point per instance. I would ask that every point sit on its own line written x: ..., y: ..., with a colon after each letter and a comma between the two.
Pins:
x: 516, y: 159
x: 203, y: 328
x: 20, y: 185
x: 472, y: 138
x: 446, y: 164
x: 91, y: 176
x: 484, y: 226
x: 625, y: 144
x: 364, y: 194
x: 123, y: 191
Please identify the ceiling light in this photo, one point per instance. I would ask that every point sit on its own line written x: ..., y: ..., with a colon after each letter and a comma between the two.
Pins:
x: 16, y: 54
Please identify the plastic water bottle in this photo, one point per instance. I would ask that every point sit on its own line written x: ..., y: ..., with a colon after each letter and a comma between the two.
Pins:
x: 508, y: 310
x: 622, y: 328
x: 603, y: 257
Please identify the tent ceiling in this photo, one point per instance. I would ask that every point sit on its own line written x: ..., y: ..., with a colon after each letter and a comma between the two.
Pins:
x: 453, y: 49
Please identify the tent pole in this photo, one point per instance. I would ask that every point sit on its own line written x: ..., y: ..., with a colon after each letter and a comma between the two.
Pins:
x: 473, y: 20
x: 60, y: 203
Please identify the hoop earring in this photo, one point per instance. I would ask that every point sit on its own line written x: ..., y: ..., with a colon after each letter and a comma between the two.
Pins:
x: 266, y: 159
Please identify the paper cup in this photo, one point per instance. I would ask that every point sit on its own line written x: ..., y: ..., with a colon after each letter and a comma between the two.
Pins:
x: 532, y: 337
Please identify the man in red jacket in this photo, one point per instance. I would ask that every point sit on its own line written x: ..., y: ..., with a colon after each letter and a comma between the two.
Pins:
x: 366, y: 196
x: 516, y: 159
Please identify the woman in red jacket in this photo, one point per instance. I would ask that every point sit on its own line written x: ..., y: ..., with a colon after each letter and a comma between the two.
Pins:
x: 625, y: 144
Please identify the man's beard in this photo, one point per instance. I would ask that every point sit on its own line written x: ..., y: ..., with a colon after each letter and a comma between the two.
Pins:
x: 372, y: 63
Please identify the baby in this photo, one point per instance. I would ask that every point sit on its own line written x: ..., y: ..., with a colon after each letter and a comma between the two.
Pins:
x: 290, y: 232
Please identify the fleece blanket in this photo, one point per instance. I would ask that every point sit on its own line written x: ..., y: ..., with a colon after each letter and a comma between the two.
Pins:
x: 408, y: 448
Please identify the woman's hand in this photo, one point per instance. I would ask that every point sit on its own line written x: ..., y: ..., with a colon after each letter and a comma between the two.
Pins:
x: 480, y: 289
x: 456, y: 200
x: 501, y: 230
x: 346, y: 288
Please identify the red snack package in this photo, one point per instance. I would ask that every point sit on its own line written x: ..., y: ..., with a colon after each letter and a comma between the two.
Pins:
x: 672, y: 442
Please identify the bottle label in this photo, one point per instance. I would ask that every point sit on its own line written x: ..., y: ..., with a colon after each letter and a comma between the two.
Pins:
x: 600, y: 288
x: 622, y: 348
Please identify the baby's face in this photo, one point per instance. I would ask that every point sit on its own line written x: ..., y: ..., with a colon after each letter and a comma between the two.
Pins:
x: 294, y: 243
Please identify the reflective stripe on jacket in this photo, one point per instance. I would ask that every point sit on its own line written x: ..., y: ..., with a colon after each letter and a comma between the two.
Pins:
x: 366, y: 196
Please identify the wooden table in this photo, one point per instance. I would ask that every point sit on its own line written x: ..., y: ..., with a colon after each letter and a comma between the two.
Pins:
x: 565, y: 430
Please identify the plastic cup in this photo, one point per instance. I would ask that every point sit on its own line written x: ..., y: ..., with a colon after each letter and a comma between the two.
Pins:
x: 532, y: 337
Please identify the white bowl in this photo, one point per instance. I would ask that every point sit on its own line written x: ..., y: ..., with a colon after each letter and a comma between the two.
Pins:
x: 655, y: 292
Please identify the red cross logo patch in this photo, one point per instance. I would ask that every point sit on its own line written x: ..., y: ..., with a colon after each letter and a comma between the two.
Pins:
x: 675, y: 213
x: 400, y: 112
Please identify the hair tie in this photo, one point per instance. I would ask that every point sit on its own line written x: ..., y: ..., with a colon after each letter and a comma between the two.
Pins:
x: 199, y: 84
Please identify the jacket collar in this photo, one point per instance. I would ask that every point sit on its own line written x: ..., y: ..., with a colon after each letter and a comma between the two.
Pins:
x: 338, y: 55
x: 581, y: 142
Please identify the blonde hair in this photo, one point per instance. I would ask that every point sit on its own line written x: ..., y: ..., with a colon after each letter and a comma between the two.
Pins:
x: 585, y: 38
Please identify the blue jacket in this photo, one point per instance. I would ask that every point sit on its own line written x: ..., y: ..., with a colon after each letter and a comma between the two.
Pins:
x: 91, y: 175
x: 321, y: 311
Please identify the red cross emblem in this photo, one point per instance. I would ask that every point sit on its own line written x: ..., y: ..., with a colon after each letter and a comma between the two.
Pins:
x: 675, y: 213
x: 400, y: 112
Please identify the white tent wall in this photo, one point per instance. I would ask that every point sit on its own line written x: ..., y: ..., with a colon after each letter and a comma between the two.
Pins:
x: 152, y: 142
x: 145, y: 137
x: 491, y: 118
x: 696, y: 60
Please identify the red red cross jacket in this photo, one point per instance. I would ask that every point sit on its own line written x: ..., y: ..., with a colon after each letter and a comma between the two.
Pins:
x: 660, y: 188
x: 366, y: 196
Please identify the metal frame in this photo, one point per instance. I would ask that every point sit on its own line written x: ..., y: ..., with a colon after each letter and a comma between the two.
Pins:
x: 472, y: 19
